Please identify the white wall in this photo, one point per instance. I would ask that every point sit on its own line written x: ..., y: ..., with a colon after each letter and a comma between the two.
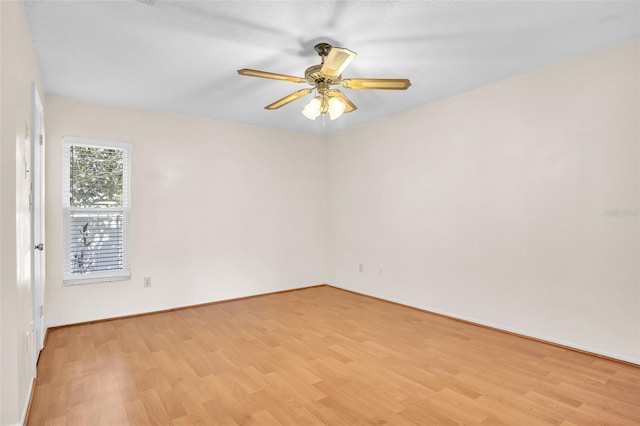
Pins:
x: 2, y: 219
x: 494, y: 206
x: 498, y: 205
x: 219, y: 211
x: 18, y: 70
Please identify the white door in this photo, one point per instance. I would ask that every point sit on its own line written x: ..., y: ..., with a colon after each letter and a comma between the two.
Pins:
x: 37, y: 215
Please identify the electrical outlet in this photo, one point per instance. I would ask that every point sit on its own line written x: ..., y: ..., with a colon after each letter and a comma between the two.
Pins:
x: 361, y: 267
x: 147, y: 281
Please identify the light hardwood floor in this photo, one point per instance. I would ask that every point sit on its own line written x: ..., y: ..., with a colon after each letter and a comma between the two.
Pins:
x: 320, y: 356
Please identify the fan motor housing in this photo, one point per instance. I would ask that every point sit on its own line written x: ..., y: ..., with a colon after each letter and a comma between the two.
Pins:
x: 314, y: 76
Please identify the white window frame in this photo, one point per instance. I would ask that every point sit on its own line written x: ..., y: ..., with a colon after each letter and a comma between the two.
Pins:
x: 70, y: 278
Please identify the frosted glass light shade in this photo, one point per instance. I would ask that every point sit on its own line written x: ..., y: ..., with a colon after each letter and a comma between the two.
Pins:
x: 336, y: 108
x: 312, y: 109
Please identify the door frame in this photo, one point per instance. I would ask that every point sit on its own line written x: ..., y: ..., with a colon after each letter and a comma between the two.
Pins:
x: 37, y: 223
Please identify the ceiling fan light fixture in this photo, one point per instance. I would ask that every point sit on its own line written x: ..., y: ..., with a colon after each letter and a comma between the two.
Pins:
x: 321, y: 78
x: 313, y: 109
x: 336, y: 108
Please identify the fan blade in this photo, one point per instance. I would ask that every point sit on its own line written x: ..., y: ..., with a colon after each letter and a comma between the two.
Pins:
x: 271, y: 75
x: 350, y: 106
x: 376, y: 83
x: 336, y: 61
x: 289, y: 98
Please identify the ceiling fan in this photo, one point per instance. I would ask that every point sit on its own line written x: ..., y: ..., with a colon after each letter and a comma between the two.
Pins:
x: 322, y: 77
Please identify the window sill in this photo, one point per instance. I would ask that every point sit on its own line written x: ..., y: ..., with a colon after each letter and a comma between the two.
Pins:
x: 95, y: 280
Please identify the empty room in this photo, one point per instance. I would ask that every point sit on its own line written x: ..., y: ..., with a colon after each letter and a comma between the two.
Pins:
x: 319, y: 212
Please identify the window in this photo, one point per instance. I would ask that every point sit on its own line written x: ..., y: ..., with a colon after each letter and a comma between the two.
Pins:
x: 97, y: 205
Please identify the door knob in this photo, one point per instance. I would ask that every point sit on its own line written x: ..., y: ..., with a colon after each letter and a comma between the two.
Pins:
x: 40, y: 247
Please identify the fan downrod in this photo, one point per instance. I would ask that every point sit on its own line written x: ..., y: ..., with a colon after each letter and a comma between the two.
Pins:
x: 313, y: 74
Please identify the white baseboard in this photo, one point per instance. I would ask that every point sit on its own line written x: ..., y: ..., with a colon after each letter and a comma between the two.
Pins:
x: 25, y: 409
x: 538, y: 337
x: 563, y: 343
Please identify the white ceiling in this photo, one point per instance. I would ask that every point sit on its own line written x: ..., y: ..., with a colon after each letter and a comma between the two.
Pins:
x: 182, y: 56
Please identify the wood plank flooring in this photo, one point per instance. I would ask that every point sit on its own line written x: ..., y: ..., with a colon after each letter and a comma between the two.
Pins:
x: 320, y: 356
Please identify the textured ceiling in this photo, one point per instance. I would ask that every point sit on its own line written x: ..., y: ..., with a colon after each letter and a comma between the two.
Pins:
x: 182, y: 56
